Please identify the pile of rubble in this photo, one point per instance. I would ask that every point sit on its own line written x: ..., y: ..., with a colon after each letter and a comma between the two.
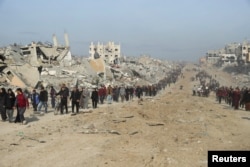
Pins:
x: 35, y: 64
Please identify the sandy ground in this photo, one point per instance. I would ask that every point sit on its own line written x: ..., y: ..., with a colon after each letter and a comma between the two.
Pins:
x: 172, y: 129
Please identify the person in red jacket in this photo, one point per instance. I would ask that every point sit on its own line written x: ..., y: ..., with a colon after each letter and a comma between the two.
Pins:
x: 236, y: 98
x: 21, y: 103
x: 102, y: 93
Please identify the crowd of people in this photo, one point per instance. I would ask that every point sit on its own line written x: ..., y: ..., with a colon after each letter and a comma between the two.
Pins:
x: 235, y: 97
x: 77, y: 97
x: 206, y: 84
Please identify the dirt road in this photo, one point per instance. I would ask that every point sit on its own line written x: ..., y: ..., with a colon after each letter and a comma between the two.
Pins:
x: 172, y: 129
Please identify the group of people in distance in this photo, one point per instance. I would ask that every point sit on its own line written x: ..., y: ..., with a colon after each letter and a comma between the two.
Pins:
x: 234, y: 97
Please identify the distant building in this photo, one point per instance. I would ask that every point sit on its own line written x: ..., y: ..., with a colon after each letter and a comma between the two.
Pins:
x: 110, y: 52
x: 234, y: 53
x: 246, y: 52
x: 213, y: 56
x: 234, y: 48
x: 228, y: 59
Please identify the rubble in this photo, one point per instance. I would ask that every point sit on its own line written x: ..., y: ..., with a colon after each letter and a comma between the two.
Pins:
x: 20, y: 68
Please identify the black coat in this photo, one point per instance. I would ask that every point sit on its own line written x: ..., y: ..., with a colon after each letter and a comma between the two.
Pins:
x: 75, y: 95
x: 43, y: 95
x: 246, y: 97
x: 94, y: 95
x: 64, y: 93
x: 2, y: 99
x: 10, y: 101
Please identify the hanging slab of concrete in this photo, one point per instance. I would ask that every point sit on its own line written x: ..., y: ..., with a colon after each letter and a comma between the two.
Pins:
x: 27, y: 73
x: 13, y: 79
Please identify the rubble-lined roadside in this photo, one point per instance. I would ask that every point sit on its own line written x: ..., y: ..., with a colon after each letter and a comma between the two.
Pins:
x: 38, y: 63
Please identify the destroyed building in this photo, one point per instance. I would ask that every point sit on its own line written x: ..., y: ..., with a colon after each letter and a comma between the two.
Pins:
x: 47, y: 64
x: 19, y: 64
x: 109, y: 52
x: 231, y: 54
x: 46, y: 53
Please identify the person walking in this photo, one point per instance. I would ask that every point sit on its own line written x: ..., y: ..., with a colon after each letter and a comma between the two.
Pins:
x: 102, y: 94
x: 53, y: 96
x: 64, y: 94
x: 43, y: 100
x: 94, y: 97
x: 75, y: 99
x: 85, y: 98
x: 10, y: 104
x: 109, y: 94
x: 22, y: 104
x: 3, y: 96
x: 34, y: 99
x: 122, y: 93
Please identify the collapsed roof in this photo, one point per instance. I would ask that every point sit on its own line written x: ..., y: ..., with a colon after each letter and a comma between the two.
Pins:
x: 20, y: 67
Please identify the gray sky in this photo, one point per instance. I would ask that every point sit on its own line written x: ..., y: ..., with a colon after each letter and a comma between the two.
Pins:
x: 172, y: 30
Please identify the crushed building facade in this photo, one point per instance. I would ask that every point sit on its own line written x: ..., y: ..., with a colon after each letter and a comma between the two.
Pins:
x: 109, y: 52
x: 37, y: 64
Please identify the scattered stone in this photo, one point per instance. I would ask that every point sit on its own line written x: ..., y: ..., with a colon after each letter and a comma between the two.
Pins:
x: 155, y: 124
x: 119, y: 121
x: 130, y: 116
x: 42, y: 141
x: 114, y: 132
x: 133, y: 133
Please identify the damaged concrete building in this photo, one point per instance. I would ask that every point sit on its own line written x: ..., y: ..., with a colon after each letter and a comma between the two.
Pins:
x: 231, y: 54
x: 46, y: 53
x: 20, y: 64
x: 109, y: 52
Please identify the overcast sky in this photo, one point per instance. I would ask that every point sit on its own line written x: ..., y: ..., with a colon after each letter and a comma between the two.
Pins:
x: 172, y: 30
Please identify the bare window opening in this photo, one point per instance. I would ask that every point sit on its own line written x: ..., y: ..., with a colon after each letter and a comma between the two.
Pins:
x: 26, y: 52
x: 9, y: 75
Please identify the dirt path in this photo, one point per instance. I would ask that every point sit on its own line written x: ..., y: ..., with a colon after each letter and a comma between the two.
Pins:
x: 171, y: 129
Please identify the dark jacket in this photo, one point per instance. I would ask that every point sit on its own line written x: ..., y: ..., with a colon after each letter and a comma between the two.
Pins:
x: 75, y: 95
x: 10, y: 101
x: 94, y: 95
x: 43, y: 95
x: 63, y: 93
x: 3, y: 99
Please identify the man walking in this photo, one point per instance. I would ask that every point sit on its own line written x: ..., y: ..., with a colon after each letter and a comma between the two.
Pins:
x: 75, y: 99
x: 34, y: 99
x: 43, y: 97
x: 64, y: 94
x: 21, y: 103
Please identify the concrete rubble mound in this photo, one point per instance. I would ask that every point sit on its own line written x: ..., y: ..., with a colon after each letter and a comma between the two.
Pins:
x: 48, y: 64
